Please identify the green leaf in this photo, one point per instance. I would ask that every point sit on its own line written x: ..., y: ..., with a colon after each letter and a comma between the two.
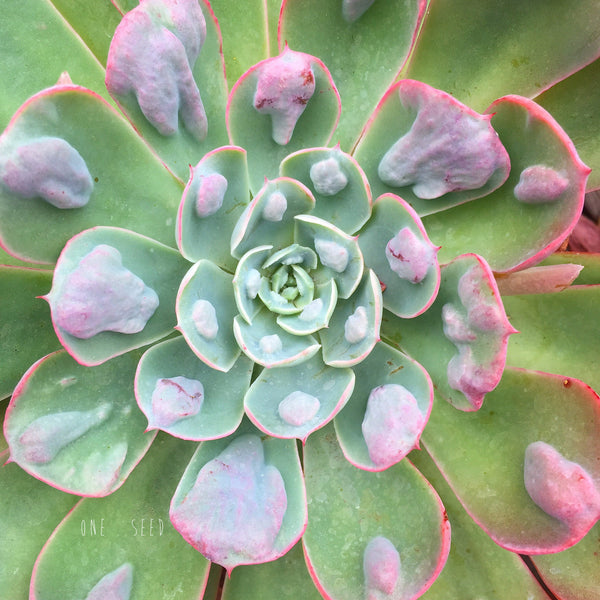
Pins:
x: 486, y: 469
x: 349, y: 507
x: 26, y: 331
x: 120, y: 164
x: 131, y: 526
x: 77, y: 428
x: 511, y: 46
x: 364, y: 56
x: 476, y: 567
x: 222, y: 405
x: 30, y: 511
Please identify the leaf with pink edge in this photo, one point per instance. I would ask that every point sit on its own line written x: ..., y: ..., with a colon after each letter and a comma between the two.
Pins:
x: 353, y: 329
x: 205, y: 310
x: 539, y: 204
x: 554, y: 456
x: 387, y: 411
x: 365, y: 54
x: 270, y: 99
x: 271, y: 346
x: 127, y: 535
x: 184, y: 397
x: 396, y: 246
x: 283, y: 579
x: 511, y: 46
x: 30, y: 511
x: 165, y: 70
x: 461, y: 340
x: 45, y: 136
x: 113, y: 290
x: 295, y: 401
x: 269, y: 219
x: 340, y: 187
x: 242, y: 500
x: 572, y: 574
x: 476, y: 567
x: 429, y: 148
x: 213, y: 200
x: 370, y: 533
x: 76, y: 428
x: 26, y: 332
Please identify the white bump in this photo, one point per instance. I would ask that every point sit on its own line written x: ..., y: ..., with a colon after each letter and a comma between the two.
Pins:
x: 211, y: 193
x: 327, y: 177
x: 356, y: 326
x: 252, y: 283
x: 298, y: 408
x: 204, y: 317
x: 312, y: 310
x: 270, y: 344
x: 275, y: 207
x: 332, y: 254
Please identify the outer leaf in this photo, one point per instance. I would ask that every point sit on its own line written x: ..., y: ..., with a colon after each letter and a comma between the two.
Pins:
x: 181, y: 149
x: 283, y: 579
x: 252, y: 130
x: 26, y: 332
x: 349, y: 507
x: 499, y: 39
x: 35, y: 230
x: 201, y: 492
x: 77, y: 428
x: 209, y: 236
x: 491, y: 454
x: 159, y: 267
x: 132, y: 526
x: 222, y: 402
x: 384, y: 366
x: 364, y: 56
x: 532, y: 139
x: 295, y: 401
x: 30, y: 512
x: 476, y: 566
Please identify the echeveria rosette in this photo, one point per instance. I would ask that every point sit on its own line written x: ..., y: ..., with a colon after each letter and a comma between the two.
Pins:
x: 256, y: 255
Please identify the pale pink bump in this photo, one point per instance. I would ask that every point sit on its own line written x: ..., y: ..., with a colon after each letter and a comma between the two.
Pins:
x: 448, y: 148
x: 392, y: 424
x: 539, y: 184
x: 410, y: 256
x: 298, y: 408
x: 560, y: 487
x: 175, y: 398
x: 211, y: 193
x: 48, y: 168
x: 285, y: 85
x: 234, y: 511
x: 381, y: 567
x: 116, y: 585
x: 100, y: 294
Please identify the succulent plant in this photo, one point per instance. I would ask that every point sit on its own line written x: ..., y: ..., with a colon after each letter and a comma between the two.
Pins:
x: 272, y: 328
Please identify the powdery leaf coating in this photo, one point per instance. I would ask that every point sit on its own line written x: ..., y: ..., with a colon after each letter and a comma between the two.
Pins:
x: 410, y: 256
x: 114, y: 586
x: 539, y: 184
x: 175, y: 398
x: 478, y: 323
x: 285, y: 85
x: 381, y: 567
x: 235, y: 509
x: 45, y: 437
x: 448, y: 148
x: 328, y: 177
x: 298, y: 408
x: 356, y: 326
x: 332, y: 254
x: 151, y: 57
x: 392, y: 424
x: 560, y: 487
x: 211, y: 193
x: 100, y: 294
x: 275, y: 207
x: 204, y: 317
x: 48, y: 168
